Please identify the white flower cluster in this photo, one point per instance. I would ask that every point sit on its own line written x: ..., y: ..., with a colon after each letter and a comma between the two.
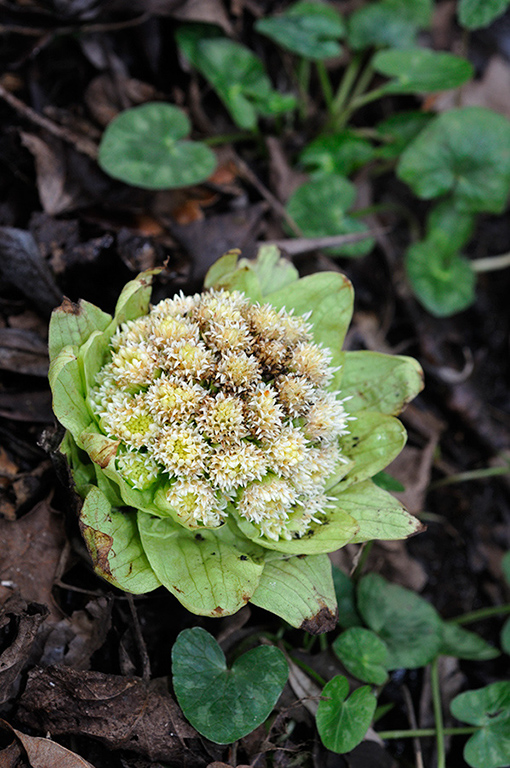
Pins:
x: 219, y: 403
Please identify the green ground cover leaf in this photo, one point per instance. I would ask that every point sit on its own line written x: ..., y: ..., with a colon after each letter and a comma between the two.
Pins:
x: 387, y: 482
x: 363, y: 654
x: 296, y: 588
x: 308, y: 29
x: 342, y: 721
x: 410, y: 627
x: 225, y: 704
x: 443, y: 283
x: 348, y: 615
x: 340, y: 153
x: 462, y: 644
x: 236, y: 74
x: 320, y: 208
x: 212, y: 572
x: 475, y: 14
x: 465, y: 152
x: 421, y: 70
x: 392, y: 23
x: 488, y: 708
x: 505, y: 637
x: 505, y: 564
x: 146, y: 147
x: 398, y: 130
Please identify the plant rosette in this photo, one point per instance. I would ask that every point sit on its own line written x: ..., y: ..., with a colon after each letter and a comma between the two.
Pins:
x: 223, y: 443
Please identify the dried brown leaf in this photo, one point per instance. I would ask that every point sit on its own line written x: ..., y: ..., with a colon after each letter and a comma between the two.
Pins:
x: 22, y: 621
x: 36, y: 752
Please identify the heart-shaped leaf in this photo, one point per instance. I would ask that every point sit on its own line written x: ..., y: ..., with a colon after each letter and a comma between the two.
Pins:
x: 462, y: 644
x: 319, y: 208
x: 145, y: 146
x: 488, y: 708
x: 309, y: 29
x: 475, y: 14
x: 363, y: 654
x: 443, y: 283
x: 342, y: 153
x: 466, y: 152
x: 342, y: 722
x: 392, y: 23
x: 225, y: 704
x: 410, y: 627
x: 420, y: 70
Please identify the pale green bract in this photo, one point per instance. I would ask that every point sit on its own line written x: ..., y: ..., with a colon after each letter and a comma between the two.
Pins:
x: 224, y: 443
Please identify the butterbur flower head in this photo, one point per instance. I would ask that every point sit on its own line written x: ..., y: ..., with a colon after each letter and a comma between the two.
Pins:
x: 231, y: 429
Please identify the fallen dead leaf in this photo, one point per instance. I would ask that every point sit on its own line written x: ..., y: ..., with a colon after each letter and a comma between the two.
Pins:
x: 120, y: 712
x: 39, y: 752
x: 31, y: 550
x: 74, y: 639
x: 23, y: 352
x: 20, y: 622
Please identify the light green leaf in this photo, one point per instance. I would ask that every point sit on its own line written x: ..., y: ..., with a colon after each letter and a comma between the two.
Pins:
x: 236, y: 74
x: 308, y: 29
x: 420, y: 70
x: 462, y: 644
x: 335, y: 533
x: 329, y: 297
x: 222, y: 269
x: 225, y: 704
x: 373, y: 441
x: 379, y: 514
x: 379, y: 382
x: 83, y: 472
x: 340, y: 153
x: 211, y: 572
x: 443, y: 283
x: 114, y: 545
x: 342, y: 722
x: 319, y: 208
x: 71, y: 324
x: 272, y: 269
x: 475, y: 14
x: 410, y: 627
x: 145, y: 147
x: 66, y: 384
x: 363, y: 654
x: 488, y: 708
x: 299, y: 590
x: 92, y: 356
x: 463, y: 151
x: 134, y: 299
x: 348, y: 616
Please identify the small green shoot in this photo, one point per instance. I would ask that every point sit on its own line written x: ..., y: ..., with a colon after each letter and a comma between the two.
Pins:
x: 363, y: 654
x: 489, y: 709
x: 476, y: 14
x: 308, y: 29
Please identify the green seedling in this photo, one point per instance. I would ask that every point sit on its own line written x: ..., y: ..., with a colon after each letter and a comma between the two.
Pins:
x: 224, y: 704
x: 343, y: 720
x: 147, y: 147
x: 489, y: 709
x: 201, y: 464
x: 393, y: 23
x: 236, y: 74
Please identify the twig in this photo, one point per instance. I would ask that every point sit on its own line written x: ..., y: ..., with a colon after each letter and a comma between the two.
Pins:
x: 298, y: 245
x: 491, y: 263
x: 146, y: 664
x: 414, y: 725
x: 17, y: 29
x: 81, y: 143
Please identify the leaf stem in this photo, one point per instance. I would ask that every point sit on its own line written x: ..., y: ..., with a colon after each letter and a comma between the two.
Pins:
x: 491, y: 263
x: 473, y: 474
x: 303, y: 82
x: 480, y: 614
x: 438, y: 712
x: 327, y: 90
x: 346, y: 83
x: 414, y: 733
x: 230, y: 138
